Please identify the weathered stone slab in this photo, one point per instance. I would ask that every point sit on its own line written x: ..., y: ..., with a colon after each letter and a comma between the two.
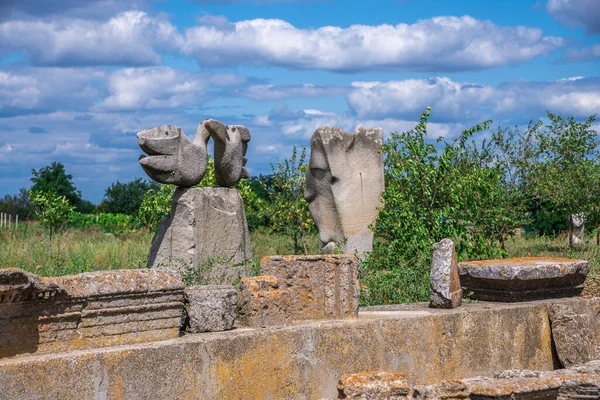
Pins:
x: 373, y: 386
x: 523, y: 279
x: 444, y: 284
x: 97, y: 309
x: 205, y: 234
x: 344, y: 183
x: 576, y: 333
x: 296, y: 288
x: 210, y: 308
x: 303, y: 361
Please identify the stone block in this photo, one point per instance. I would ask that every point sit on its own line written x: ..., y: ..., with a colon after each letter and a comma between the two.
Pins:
x: 344, y: 183
x: 444, y: 284
x: 576, y: 230
x: 210, y: 308
x: 373, y: 386
x: 523, y: 279
x: 97, y: 309
x: 205, y: 234
x: 296, y: 288
x: 576, y: 333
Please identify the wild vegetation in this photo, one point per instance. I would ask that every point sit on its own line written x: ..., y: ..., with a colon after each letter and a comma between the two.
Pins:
x: 476, y: 192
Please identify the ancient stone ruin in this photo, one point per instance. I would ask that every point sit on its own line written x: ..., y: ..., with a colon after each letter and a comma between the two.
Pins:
x: 576, y: 229
x: 206, y: 231
x: 444, y: 288
x: 344, y: 183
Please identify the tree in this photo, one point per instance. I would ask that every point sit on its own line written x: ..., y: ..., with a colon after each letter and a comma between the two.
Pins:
x: 53, y: 178
x: 126, y: 198
x: 432, y: 192
x: 287, y: 209
x: 17, y: 204
x: 52, y: 210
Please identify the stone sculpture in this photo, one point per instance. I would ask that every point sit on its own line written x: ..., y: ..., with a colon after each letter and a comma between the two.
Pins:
x: 576, y: 229
x: 344, y: 182
x: 444, y: 285
x: 206, y: 225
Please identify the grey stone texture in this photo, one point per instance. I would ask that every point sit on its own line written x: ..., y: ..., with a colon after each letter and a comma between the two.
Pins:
x: 523, y: 279
x: 296, y: 288
x: 205, y: 232
x: 575, y: 332
x: 210, y: 308
x: 231, y: 143
x: 302, y: 361
x: 97, y: 309
x: 344, y: 183
x: 576, y: 229
x: 172, y: 158
x: 444, y: 283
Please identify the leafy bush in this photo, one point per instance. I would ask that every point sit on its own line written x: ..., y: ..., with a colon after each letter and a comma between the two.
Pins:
x: 51, y: 210
x: 109, y: 223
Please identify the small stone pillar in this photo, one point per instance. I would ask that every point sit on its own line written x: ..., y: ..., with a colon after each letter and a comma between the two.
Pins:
x: 576, y: 229
x: 444, y: 283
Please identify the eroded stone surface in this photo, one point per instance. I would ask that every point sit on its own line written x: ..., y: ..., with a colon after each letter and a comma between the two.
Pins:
x: 295, y: 288
x: 444, y: 284
x: 523, y: 279
x: 344, y: 183
x: 576, y: 334
x: 97, y: 309
x: 206, y: 228
x: 373, y: 386
x: 231, y: 143
x: 576, y: 229
x: 210, y: 308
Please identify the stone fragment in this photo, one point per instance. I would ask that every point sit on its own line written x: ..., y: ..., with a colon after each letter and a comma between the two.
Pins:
x: 261, y: 303
x: 205, y: 235
x: 210, y: 308
x: 96, y: 309
x: 296, y: 288
x: 373, y: 386
x: 447, y: 390
x: 344, y: 183
x: 575, y: 333
x: 444, y: 284
x: 523, y: 279
x: 231, y: 143
x: 576, y: 229
x: 172, y: 158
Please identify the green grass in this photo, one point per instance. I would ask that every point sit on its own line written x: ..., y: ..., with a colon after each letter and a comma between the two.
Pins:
x: 77, y: 251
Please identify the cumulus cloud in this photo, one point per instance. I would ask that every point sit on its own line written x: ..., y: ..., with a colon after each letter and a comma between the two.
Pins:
x: 437, y: 44
x: 128, y: 38
x: 162, y: 88
x: 573, y: 13
x: 39, y: 90
x: 282, y: 92
x: 453, y: 101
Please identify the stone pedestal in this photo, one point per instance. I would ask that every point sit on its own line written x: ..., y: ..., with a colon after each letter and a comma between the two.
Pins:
x: 295, y: 288
x: 210, y: 308
x: 523, y: 279
x: 205, y: 234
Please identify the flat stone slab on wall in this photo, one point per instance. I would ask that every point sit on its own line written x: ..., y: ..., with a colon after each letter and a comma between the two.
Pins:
x: 297, y: 288
x: 301, y: 361
x: 106, y: 308
x: 523, y: 279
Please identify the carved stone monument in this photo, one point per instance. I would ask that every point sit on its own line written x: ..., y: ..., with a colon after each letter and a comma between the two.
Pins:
x: 207, y: 226
x: 576, y: 229
x: 344, y: 182
x: 444, y: 285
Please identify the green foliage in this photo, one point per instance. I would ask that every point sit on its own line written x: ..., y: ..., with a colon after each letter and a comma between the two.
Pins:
x: 110, y: 223
x: 52, y: 210
x: 431, y: 193
x: 126, y: 198
x: 287, y: 210
x: 17, y: 204
x: 53, y: 178
x: 156, y: 205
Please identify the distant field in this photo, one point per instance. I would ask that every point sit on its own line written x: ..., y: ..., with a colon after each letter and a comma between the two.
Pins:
x: 78, y: 251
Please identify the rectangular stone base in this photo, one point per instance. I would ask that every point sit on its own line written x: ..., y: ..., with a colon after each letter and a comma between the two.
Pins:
x: 302, y: 361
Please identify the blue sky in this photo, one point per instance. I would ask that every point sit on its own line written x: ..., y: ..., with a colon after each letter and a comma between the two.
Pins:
x: 79, y: 79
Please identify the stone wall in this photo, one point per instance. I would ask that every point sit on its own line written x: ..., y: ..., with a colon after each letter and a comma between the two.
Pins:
x: 302, y: 361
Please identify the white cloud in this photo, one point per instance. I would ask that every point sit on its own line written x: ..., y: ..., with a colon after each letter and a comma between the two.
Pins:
x: 440, y: 44
x: 573, y: 13
x: 281, y: 92
x: 588, y: 53
x: 128, y: 38
x: 162, y: 88
x: 454, y: 101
